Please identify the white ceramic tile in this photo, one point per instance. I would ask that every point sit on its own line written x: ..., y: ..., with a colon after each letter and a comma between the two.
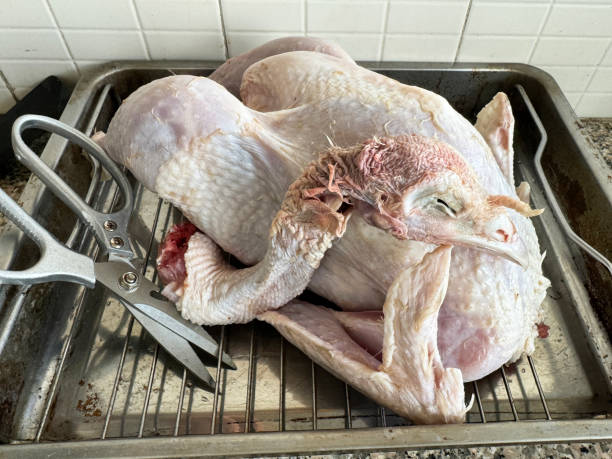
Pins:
x: 345, y: 16
x: 439, y: 48
x: 495, y: 49
x: 426, y: 17
x: 28, y: 74
x: 580, y: 21
x: 571, y: 78
x: 602, y: 2
x: 602, y: 80
x: 24, y: 13
x: 31, y: 44
x: 607, y: 60
x: 6, y: 100
x: 179, y: 14
x: 94, y: 14
x: 105, y: 45
x: 263, y: 15
x: 359, y: 46
x: 595, y: 105
x: 573, y: 98
x: 241, y: 42
x: 506, y: 18
x: 186, y: 45
x: 569, y: 51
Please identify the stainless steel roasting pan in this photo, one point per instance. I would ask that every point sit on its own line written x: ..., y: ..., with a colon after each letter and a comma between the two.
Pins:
x: 78, y: 377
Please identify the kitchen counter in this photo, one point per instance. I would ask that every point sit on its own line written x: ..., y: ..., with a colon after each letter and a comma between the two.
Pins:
x: 599, y: 132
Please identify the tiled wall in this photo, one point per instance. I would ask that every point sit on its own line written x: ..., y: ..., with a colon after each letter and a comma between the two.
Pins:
x: 570, y: 39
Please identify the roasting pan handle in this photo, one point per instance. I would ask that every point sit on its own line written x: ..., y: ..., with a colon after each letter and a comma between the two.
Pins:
x: 550, y: 196
x: 110, y: 229
x: 56, y: 263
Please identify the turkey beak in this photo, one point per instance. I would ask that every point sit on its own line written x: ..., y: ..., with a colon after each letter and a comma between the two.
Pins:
x: 498, y: 237
x: 514, y: 251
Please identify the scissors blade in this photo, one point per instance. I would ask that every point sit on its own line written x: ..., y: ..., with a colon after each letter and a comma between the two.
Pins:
x: 177, y: 346
x: 164, y: 312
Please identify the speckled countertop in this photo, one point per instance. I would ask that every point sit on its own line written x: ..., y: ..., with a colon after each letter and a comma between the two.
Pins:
x: 599, y: 132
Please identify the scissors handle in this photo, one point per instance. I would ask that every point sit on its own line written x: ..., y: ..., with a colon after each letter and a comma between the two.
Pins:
x: 56, y: 263
x: 110, y: 229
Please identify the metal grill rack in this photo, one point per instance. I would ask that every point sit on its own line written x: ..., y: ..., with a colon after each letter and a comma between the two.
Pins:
x: 111, y: 382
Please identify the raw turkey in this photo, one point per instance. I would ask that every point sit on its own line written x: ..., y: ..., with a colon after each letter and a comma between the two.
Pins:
x: 240, y: 176
x: 491, y: 307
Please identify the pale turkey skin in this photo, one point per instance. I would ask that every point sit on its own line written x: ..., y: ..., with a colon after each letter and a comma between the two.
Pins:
x: 491, y: 307
x: 194, y: 133
x: 229, y: 74
x: 408, y: 374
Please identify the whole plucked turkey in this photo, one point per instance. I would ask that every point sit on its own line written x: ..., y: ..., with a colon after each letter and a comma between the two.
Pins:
x: 265, y: 186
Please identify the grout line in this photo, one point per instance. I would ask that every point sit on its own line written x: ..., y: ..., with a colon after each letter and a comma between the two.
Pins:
x: 40, y: 60
x: 131, y: 31
x: 586, y: 88
x: 293, y: 31
x: 101, y: 29
x: 461, y: 34
x: 8, y: 86
x: 594, y: 93
x: 529, y: 35
x: 304, y: 7
x: 540, y: 30
x: 21, y: 29
x: 323, y: 32
x: 383, y: 41
x: 395, y: 34
x: 143, y: 38
x: 64, y: 61
x: 61, y: 32
x: 223, y: 31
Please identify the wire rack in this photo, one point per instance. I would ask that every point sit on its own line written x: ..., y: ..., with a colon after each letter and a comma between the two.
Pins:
x: 145, y: 393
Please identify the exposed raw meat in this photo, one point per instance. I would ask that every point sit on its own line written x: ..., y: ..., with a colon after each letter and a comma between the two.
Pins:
x: 543, y: 330
x: 171, y: 259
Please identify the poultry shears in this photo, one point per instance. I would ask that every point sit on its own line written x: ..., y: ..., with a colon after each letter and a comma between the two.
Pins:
x: 122, y: 273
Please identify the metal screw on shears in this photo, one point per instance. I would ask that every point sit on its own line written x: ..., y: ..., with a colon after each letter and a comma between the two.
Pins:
x: 116, y: 242
x: 110, y: 225
x: 129, y: 280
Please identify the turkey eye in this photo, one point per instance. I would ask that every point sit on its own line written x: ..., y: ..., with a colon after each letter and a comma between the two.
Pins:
x: 448, y: 209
